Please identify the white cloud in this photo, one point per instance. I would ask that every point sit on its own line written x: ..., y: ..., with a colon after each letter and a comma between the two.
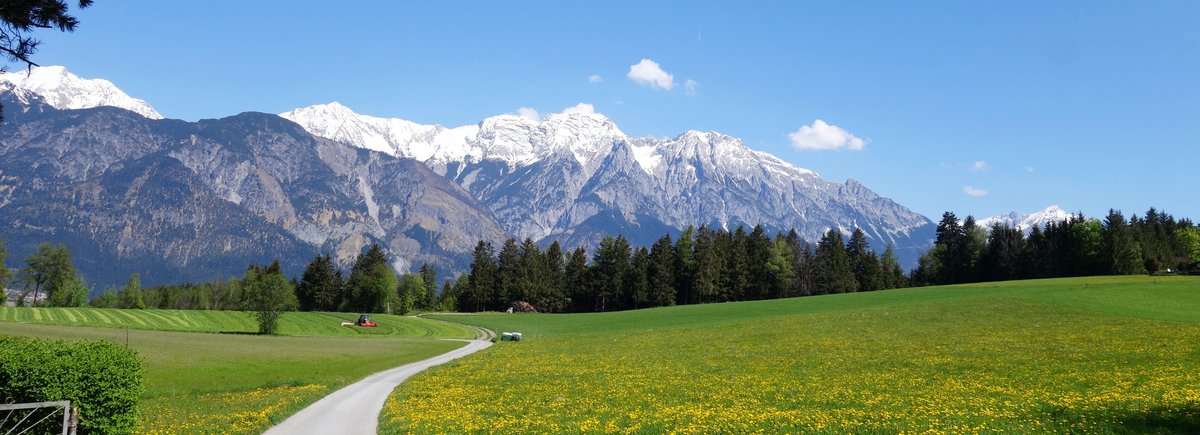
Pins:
x: 595, y: 78
x: 584, y: 108
x: 979, y: 165
x: 822, y: 136
x: 530, y: 114
x: 690, y: 86
x: 648, y: 73
x: 974, y: 191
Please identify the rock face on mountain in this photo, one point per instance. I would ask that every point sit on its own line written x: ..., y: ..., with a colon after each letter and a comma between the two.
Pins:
x: 83, y: 163
x: 192, y: 201
x: 575, y: 177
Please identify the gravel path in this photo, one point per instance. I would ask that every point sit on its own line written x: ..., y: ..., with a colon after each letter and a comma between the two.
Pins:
x: 355, y: 408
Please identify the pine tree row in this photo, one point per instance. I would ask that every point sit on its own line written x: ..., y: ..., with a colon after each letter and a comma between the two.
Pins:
x: 702, y: 266
x: 1077, y: 246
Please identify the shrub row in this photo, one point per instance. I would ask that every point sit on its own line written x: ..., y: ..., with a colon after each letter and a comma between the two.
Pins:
x: 102, y: 380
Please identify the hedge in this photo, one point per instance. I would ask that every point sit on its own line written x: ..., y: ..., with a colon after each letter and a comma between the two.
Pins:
x: 102, y: 380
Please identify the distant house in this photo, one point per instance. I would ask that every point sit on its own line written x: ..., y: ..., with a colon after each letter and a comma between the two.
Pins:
x: 12, y: 294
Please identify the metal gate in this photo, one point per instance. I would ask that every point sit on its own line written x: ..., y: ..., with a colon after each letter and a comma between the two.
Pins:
x: 21, y: 418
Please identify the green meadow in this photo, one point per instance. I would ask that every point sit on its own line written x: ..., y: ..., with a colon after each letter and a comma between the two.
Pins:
x: 291, y: 323
x: 1078, y: 355
x: 230, y: 381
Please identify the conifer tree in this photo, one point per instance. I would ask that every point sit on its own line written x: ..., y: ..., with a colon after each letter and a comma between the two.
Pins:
x: 685, y: 266
x: 531, y: 275
x: 661, y: 273
x: 638, y: 281
x: 429, y: 280
x: 833, y: 271
x: 575, y: 278
x: 365, y: 288
x: 482, y: 280
x: 554, y: 297
x: 1002, y: 260
x: 735, y: 276
x: 892, y: 272
x: 508, y: 276
x: 708, y: 264
x: 610, y: 269
x: 859, y: 254
x: 320, y: 285
x: 1119, y: 248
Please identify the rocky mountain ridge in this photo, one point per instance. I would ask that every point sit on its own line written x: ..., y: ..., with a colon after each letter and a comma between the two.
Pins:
x: 200, y: 198
x: 574, y: 177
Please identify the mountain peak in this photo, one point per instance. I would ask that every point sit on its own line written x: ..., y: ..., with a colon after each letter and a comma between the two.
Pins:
x: 1026, y: 221
x: 63, y: 90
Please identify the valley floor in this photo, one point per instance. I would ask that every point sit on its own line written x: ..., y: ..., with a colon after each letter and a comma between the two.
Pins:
x: 1081, y: 355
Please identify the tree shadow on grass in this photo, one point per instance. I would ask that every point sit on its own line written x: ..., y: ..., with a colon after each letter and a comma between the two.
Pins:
x: 1183, y: 419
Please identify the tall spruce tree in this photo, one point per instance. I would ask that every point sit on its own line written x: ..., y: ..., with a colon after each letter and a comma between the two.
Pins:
x: 735, y: 274
x: 760, y: 282
x: 366, y: 287
x: 553, y: 297
x: 951, y: 260
x: 638, y: 280
x: 892, y: 272
x: 510, y: 287
x: 865, y: 270
x: 706, y: 278
x: 1120, y: 249
x: 685, y: 266
x: 320, y: 285
x: 531, y: 272
x: 833, y: 271
x: 661, y: 273
x: 610, y: 270
x: 575, y: 278
x: 429, y: 279
x: 1002, y: 260
x: 482, y: 280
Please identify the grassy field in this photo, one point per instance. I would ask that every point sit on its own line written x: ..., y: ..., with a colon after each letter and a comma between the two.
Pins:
x: 241, y: 383
x: 291, y: 323
x: 1084, y: 355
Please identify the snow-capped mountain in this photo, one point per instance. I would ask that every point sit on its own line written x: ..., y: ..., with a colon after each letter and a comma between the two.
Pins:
x: 191, y: 201
x: 575, y: 176
x: 514, y: 140
x: 1026, y: 222
x: 63, y: 90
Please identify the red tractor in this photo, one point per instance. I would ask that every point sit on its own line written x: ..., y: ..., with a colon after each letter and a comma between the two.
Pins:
x: 363, y: 320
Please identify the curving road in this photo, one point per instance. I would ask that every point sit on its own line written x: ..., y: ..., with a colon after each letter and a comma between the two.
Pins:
x: 355, y: 408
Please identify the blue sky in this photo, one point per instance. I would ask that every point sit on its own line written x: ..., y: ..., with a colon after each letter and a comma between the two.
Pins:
x: 976, y: 107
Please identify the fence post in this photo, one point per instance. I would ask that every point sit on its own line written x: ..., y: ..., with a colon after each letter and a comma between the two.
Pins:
x: 74, y: 423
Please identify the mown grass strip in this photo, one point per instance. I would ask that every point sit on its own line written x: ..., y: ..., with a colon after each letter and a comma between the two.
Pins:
x: 292, y: 323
